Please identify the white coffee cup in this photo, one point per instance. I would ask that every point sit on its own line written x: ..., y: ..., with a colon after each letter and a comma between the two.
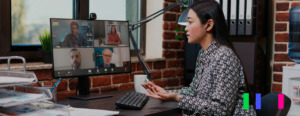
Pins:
x: 138, y: 81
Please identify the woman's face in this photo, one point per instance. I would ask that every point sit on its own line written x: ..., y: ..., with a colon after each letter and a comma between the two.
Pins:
x: 113, y: 29
x: 195, y: 31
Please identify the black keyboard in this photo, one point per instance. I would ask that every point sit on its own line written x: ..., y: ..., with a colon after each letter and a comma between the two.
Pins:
x: 132, y: 100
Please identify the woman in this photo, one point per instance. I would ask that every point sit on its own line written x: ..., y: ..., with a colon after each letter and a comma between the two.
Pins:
x: 219, y: 82
x: 113, y: 37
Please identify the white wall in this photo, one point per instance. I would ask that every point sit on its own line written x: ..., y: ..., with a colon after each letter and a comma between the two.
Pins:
x: 154, y: 30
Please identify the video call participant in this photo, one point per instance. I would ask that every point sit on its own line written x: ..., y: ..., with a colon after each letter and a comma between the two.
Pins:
x: 74, y: 39
x: 113, y: 37
x: 75, y: 59
x: 219, y: 82
x: 107, y: 56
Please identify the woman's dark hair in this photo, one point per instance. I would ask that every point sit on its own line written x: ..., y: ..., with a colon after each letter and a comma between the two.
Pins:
x: 111, y: 29
x: 210, y: 9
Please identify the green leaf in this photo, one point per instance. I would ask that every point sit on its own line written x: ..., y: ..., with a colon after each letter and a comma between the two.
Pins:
x: 45, y: 40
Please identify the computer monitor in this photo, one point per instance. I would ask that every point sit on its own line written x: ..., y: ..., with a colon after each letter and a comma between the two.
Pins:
x: 83, y: 48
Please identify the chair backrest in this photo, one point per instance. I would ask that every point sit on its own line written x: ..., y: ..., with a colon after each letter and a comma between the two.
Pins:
x: 269, y: 105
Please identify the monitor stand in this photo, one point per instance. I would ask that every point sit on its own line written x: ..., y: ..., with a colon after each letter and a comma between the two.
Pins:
x: 84, y: 90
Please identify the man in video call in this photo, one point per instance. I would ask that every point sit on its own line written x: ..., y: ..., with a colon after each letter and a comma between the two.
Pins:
x: 74, y: 39
x: 107, y: 56
x: 75, y: 59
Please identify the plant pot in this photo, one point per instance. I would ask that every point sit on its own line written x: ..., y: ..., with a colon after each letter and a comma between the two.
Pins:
x: 47, y: 57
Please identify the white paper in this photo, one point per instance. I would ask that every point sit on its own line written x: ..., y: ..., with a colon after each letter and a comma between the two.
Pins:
x: 11, y: 80
x: 91, y: 112
x: 11, y: 98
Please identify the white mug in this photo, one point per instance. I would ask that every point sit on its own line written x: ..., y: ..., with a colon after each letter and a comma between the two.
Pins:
x: 138, y: 81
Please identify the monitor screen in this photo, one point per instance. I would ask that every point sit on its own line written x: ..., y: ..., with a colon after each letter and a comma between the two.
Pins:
x: 89, y: 47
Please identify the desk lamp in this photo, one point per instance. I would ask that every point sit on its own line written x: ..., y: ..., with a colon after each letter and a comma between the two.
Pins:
x: 181, y: 21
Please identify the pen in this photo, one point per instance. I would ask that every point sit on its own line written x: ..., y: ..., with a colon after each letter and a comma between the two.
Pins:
x: 55, y: 84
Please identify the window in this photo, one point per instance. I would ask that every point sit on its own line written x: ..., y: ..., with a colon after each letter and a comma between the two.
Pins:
x: 31, y: 17
x: 22, y: 20
x: 130, y: 10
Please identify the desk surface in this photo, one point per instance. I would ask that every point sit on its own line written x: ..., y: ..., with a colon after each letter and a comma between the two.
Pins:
x: 152, y: 107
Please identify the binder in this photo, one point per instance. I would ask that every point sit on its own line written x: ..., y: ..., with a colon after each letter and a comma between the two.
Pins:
x: 241, y: 21
x: 233, y: 17
x: 249, y: 21
x: 225, y: 10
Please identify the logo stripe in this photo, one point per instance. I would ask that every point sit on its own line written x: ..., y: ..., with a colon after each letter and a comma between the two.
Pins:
x: 280, y: 101
x: 246, y: 101
x: 258, y: 101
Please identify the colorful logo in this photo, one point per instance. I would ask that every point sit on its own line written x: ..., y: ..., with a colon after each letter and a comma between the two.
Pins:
x: 258, y: 101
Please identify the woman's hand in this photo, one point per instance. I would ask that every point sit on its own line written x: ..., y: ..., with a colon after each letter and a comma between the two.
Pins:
x: 159, y: 93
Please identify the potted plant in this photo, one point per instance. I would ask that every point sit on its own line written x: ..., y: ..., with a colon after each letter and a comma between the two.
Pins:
x: 46, y: 46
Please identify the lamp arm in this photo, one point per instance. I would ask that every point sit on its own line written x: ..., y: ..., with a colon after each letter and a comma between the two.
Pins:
x: 156, y: 14
x: 142, y: 22
x: 143, y: 63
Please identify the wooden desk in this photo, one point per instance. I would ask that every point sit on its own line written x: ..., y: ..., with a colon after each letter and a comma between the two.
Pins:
x: 152, y: 107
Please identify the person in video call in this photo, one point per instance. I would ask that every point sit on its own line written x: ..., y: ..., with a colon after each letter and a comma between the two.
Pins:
x: 74, y: 39
x: 107, y: 56
x: 113, y: 37
x: 75, y: 59
x: 219, y: 82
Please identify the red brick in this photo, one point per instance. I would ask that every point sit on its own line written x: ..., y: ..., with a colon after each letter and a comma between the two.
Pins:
x: 282, y: 6
x: 169, y: 35
x: 73, y: 84
x: 169, y: 73
x: 278, y: 67
x: 295, y: 4
x: 101, y: 81
x: 282, y: 37
x: 280, y: 47
x: 135, y: 73
x: 172, y: 63
x: 94, y: 90
x: 109, y: 88
x: 277, y: 87
x: 166, y: 44
x: 280, y: 27
x: 139, y: 67
x: 278, y: 77
x: 182, y: 45
x: 133, y: 67
x: 156, y: 74
x: 169, y: 54
x: 169, y: 17
x: 120, y: 78
x: 49, y: 83
x: 43, y: 74
x: 166, y: 26
x: 174, y: 45
x: 180, y: 54
x: 159, y: 64
x: 181, y: 81
x: 126, y: 86
x: 161, y: 83
x: 282, y: 16
x: 62, y: 86
x: 282, y: 57
x: 173, y: 82
x: 173, y: 26
x: 180, y: 72
x: 64, y: 95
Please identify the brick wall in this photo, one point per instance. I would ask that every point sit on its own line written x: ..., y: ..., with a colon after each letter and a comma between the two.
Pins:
x: 280, y: 53
x: 167, y: 73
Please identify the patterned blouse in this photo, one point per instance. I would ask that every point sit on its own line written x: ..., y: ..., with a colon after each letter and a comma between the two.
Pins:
x: 218, y: 85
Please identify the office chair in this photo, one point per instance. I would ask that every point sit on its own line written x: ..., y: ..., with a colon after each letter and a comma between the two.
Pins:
x: 269, y: 105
